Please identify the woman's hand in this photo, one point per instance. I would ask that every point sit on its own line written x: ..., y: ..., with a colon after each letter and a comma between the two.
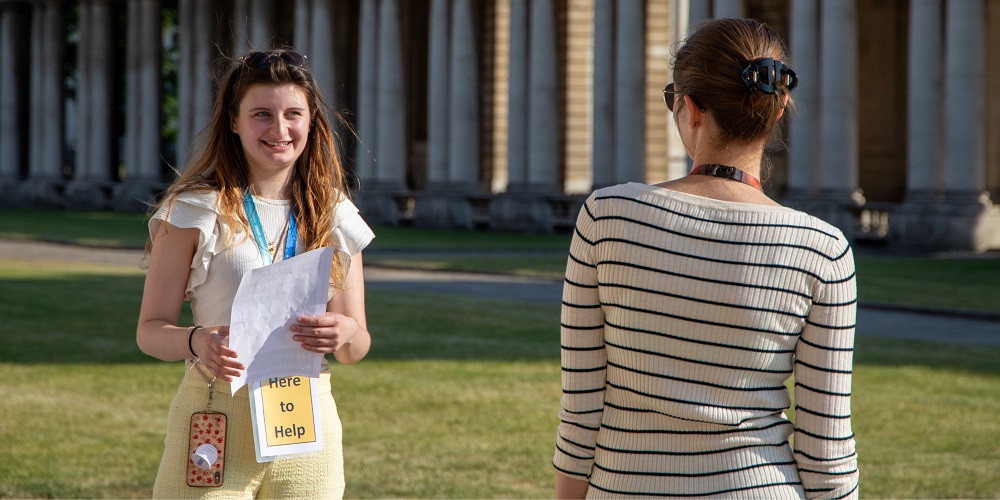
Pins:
x: 325, y: 333
x: 215, y: 354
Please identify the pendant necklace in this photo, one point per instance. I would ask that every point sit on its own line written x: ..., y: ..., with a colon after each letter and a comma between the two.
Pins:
x: 727, y: 172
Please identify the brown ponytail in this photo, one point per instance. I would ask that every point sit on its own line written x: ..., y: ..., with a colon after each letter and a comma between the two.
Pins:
x: 709, y: 68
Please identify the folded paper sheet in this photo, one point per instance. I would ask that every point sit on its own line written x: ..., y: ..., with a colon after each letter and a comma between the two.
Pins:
x: 266, y: 305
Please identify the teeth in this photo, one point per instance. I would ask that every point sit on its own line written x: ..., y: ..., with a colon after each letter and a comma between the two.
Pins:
x: 277, y: 144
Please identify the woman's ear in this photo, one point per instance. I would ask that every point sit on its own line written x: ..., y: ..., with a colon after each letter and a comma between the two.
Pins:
x: 695, y: 114
x: 784, y: 102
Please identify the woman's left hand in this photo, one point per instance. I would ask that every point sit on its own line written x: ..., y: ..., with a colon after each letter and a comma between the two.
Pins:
x: 325, y: 333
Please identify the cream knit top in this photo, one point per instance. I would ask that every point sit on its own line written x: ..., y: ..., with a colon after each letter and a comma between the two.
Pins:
x: 699, y: 310
x: 216, y: 271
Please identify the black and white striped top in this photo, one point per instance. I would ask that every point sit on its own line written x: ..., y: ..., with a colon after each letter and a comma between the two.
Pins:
x: 700, y: 310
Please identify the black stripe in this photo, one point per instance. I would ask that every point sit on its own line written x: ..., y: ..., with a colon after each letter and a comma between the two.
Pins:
x: 692, y: 453
x: 696, y: 341
x: 584, y: 427
x: 822, y: 368
x: 716, y: 221
x: 710, y: 493
x: 583, y: 238
x: 759, y: 244
x: 706, y: 280
x: 581, y: 306
x: 830, y: 473
x: 820, y: 391
x: 845, y: 495
x: 582, y: 391
x: 825, y: 347
x: 695, y: 432
x: 831, y: 327
x: 818, y: 414
x: 697, y: 382
x: 738, y: 263
x: 836, y: 304
x: 581, y: 285
x: 578, y: 445
x: 696, y: 320
x: 824, y: 438
x: 703, y: 301
x: 689, y: 360
x: 578, y: 457
x: 583, y: 412
x: 595, y: 348
x: 572, y: 327
x: 695, y: 403
x: 568, y: 471
x: 691, y: 474
x: 583, y: 370
x: 818, y: 459
x: 578, y: 261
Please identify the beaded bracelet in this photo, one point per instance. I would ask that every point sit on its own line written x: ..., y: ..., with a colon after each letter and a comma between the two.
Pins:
x: 190, y: 336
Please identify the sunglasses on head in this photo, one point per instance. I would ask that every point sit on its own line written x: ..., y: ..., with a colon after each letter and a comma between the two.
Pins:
x: 668, y: 97
x: 258, y: 60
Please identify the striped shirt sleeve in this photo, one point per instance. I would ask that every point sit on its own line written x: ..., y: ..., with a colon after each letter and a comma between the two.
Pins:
x: 824, y: 442
x: 584, y: 360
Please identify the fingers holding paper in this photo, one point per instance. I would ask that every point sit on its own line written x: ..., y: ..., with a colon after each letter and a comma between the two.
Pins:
x: 325, y: 333
x: 215, y: 354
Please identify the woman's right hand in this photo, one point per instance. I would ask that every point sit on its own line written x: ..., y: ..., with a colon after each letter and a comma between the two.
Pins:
x: 212, y: 351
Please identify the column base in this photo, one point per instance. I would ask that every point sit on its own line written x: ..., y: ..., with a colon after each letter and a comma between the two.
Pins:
x: 137, y: 195
x: 44, y: 192
x: 12, y: 192
x: 839, y: 207
x: 88, y: 195
x: 452, y: 206
x: 390, y: 204
x: 536, y: 209
x: 964, y: 222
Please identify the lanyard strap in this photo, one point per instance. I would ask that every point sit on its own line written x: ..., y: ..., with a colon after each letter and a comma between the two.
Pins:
x: 291, y: 237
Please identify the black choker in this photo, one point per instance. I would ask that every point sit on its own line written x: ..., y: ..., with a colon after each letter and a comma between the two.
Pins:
x: 728, y: 172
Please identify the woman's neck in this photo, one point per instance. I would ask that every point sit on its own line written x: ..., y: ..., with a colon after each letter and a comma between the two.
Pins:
x: 746, y: 159
x: 275, y: 187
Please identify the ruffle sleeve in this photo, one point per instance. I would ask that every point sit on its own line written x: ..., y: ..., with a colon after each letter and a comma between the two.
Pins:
x: 194, y: 210
x: 351, y: 233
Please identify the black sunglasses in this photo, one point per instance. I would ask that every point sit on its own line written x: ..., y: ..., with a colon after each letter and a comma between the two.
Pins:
x: 668, y: 97
x: 258, y: 60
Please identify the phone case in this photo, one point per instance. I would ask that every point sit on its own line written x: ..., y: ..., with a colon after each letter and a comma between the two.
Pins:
x: 207, y: 428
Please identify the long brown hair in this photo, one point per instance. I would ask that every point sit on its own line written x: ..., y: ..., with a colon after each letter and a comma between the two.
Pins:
x: 218, y: 162
x: 709, y: 68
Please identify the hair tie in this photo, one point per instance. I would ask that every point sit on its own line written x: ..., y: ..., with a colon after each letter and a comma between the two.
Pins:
x: 765, y: 74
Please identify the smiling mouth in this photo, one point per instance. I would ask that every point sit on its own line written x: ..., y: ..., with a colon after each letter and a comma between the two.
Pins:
x: 282, y: 144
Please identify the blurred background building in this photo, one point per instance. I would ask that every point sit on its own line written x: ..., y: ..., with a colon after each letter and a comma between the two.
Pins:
x: 504, y: 114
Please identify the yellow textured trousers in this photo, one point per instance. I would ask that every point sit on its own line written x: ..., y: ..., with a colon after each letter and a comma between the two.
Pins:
x: 316, y: 475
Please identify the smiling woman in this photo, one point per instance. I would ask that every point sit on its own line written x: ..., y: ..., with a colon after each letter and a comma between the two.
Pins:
x: 265, y: 184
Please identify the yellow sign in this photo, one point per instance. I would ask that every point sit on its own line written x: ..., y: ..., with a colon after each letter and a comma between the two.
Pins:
x: 289, y: 414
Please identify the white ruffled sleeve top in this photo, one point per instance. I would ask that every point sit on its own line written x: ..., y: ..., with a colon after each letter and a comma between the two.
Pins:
x: 216, y: 271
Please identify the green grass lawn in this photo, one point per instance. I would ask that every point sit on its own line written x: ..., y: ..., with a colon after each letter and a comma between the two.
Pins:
x: 456, y: 399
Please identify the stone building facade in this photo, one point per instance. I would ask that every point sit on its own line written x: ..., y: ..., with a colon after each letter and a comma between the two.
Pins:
x: 504, y: 114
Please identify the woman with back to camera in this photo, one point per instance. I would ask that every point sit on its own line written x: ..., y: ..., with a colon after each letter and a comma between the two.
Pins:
x: 687, y: 305
x: 266, y: 184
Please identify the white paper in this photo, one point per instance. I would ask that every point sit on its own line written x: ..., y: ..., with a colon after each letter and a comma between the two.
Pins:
x: 267, y: 303
x: 261, y: 428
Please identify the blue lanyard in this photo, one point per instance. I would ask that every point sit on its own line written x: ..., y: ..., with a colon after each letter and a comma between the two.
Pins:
x: 291, y: 237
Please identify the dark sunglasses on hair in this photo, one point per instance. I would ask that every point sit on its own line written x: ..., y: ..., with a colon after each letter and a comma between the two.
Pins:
x: 258, y: 60
x: 668, y: 97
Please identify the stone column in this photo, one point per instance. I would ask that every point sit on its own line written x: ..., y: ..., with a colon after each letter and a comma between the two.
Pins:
x: 391, y: 103
x: 194, y: 85
x: 727, y: 8
x: 973, y: 221
x: 838, y: 197
x: 630, y: 92
x: 303, y: 26
x: 14, y: 129
x: 698, y: 11
x: 517, y: 119
x: 320, y: 54
x: 803, y: 160
x: 604, y: 94
x: 261, y: 16
x: 367, y: 78
x: 926, y: 114
x: 463, y: 143
x: 437, y: 94
x: 242, y: 38
x: 47, y: 93
x: 543, y: 98
x: 142, y: 108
